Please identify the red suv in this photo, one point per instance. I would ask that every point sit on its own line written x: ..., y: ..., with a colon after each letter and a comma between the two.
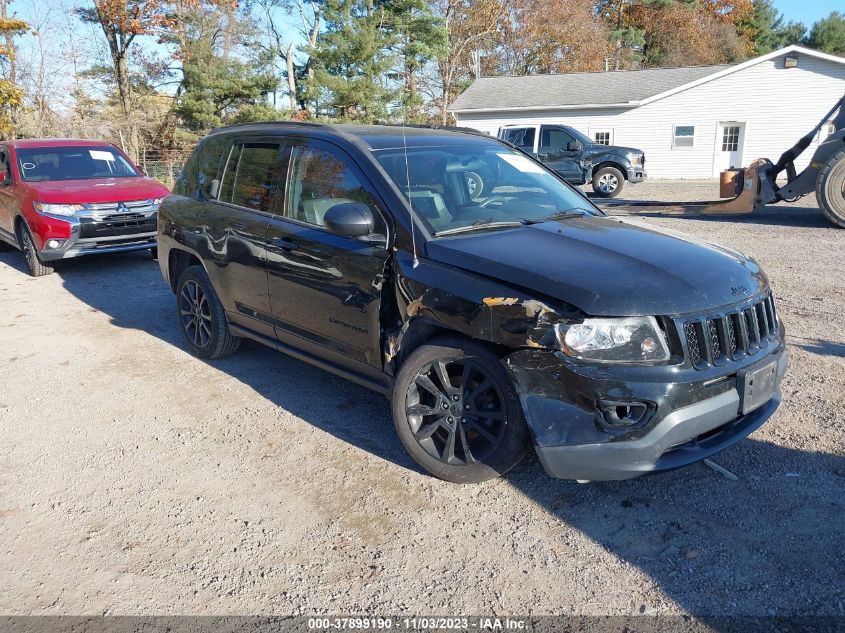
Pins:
x: 62, y: 198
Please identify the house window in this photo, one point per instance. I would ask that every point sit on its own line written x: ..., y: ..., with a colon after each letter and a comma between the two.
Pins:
x: 684, y: 136
x: 730, y: 138
x: 602, y: 138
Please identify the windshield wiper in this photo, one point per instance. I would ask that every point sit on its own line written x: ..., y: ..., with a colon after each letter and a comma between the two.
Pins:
x: 560, y: 215
x: 489, y: 223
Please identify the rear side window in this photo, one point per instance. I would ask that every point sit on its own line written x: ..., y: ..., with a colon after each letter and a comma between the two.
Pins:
x: 252, y: 176
x: 520, y: 136
x: 200, y: 175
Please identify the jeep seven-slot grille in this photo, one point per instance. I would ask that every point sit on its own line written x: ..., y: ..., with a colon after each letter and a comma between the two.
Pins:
x: 740, y: 332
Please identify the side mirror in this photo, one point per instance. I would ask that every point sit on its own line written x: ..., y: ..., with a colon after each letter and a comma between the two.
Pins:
x: 574, y: 146
x: 350, y: 219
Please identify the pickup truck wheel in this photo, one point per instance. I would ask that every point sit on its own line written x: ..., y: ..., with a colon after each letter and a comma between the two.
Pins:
x: 202, y: 316
x: 830, y: 189
x: 608, y: 182
x: 36, y: 267
x: 457, y: 413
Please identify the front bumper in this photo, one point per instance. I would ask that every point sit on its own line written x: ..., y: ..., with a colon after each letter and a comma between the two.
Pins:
x: 101, y: 231
x: 687, y: 421
x: 636, y: 174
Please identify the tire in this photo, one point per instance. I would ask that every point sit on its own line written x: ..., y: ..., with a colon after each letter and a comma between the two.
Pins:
x: 36, y: 267
x: 608, y: 182
x: 154, y: 252
x: 478, y: 413
x: 475, y: 184
x: 830, y: 189
x: 202, y: 318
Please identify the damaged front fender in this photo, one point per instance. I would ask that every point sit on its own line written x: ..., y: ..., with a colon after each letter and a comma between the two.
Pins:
x: 436, y: 297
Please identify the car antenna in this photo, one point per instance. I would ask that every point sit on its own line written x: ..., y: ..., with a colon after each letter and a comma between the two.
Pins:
x: 416, y: 261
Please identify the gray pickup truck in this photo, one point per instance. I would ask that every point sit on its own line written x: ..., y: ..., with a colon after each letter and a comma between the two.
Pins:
x: 577, y: 158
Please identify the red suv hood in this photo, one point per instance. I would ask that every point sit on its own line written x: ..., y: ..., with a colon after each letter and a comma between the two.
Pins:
x: 96, y: 190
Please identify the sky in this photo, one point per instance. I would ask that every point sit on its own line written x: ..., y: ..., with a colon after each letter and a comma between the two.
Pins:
x: 808, y: 11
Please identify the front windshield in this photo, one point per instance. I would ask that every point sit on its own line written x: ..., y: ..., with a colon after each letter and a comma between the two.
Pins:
x: 478, y: 185
x: 72, y: 163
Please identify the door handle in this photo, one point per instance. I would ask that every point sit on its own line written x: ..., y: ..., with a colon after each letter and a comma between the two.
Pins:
x: 284, y: 243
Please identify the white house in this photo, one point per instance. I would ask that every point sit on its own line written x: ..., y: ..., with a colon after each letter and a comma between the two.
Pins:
x: 690, y: 122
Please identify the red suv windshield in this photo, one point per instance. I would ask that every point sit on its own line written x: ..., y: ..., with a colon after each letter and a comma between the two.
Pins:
x: 73, y: 163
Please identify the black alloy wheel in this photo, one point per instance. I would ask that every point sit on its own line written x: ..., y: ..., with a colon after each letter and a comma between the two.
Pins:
x: 195, y: 313
x: 202, y: 316
x: 457, y: 412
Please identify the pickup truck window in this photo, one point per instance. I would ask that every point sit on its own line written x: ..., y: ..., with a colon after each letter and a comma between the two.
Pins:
x: 555, y: 138
x: 520, y: 136
x: 73, y: 163
x: 252, y: 176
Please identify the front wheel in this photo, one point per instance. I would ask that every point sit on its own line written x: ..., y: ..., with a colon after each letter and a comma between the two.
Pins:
x: 202, y: 317
x: 36, y: 267
x: 830, y: 189
x: 457, y: 413
x: 608, y: 182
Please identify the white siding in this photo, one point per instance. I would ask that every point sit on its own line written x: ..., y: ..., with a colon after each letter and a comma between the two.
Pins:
x: 777, y: 105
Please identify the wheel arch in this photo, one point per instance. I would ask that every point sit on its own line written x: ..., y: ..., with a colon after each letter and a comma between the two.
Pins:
x: 178, y: 259
x: 610, y: 163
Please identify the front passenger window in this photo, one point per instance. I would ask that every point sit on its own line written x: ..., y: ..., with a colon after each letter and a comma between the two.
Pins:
x: 321, y: 179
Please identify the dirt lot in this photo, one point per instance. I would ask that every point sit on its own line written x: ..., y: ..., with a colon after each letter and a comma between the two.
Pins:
x: 136, y: 479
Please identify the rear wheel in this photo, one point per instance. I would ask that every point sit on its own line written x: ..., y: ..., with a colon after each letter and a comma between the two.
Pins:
x: 608, y: 182
x: 36, y: 267
x: 457, y: 413
x: 830, y: 189
x: 202, y: 317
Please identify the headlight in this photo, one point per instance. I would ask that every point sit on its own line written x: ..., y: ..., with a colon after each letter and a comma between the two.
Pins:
x: 637, y: 160
x: 58, y: 209
x: 157, y: 201
x: 623, y: 340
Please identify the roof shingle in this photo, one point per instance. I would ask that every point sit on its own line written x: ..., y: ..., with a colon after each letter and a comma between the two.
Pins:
x: 574, y: 89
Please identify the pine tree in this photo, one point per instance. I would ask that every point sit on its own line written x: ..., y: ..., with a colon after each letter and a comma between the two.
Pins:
x: 11, y: 95
x: 351, y: 62
x: 828, y: 34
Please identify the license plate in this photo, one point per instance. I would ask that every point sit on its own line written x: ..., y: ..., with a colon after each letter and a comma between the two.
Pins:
x: 759, y: 387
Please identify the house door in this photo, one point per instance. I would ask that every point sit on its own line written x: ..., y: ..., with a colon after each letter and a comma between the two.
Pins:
x: 729, y: 146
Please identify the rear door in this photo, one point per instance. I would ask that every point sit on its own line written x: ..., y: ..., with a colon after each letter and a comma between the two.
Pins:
x: 325, y: 289
x: 237, y: 223
x: 555, y: 153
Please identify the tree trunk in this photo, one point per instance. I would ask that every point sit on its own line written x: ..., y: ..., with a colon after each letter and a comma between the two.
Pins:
x: 291, y: 78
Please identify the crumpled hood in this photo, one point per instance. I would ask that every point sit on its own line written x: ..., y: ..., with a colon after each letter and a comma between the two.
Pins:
x: 607, y: 267
x: 96, y: 190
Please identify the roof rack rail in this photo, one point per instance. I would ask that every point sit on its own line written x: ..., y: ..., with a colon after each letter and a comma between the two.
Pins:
x: 249, y: 123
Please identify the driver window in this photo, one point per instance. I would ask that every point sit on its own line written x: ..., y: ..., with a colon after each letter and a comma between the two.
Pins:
x: 320, y: 179
x: 555, y: 138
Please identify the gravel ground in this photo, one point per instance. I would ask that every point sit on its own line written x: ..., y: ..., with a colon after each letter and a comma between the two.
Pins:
x: 136, y: 479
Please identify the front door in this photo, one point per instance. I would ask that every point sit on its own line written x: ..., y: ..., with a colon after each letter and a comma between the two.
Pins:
x: 325, y: 288
x: 729, y: 142
x: 554, y: 152
x: 8, y: 202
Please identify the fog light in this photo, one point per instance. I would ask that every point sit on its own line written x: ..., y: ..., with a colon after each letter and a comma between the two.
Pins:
x: 625, y: 414
x: 53, y: 244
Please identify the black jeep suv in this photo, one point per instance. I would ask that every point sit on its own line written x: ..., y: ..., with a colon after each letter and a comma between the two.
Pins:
x: 516, y: 314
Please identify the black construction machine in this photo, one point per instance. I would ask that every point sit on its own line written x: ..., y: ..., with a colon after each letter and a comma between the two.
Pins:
x: 757, y: 185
